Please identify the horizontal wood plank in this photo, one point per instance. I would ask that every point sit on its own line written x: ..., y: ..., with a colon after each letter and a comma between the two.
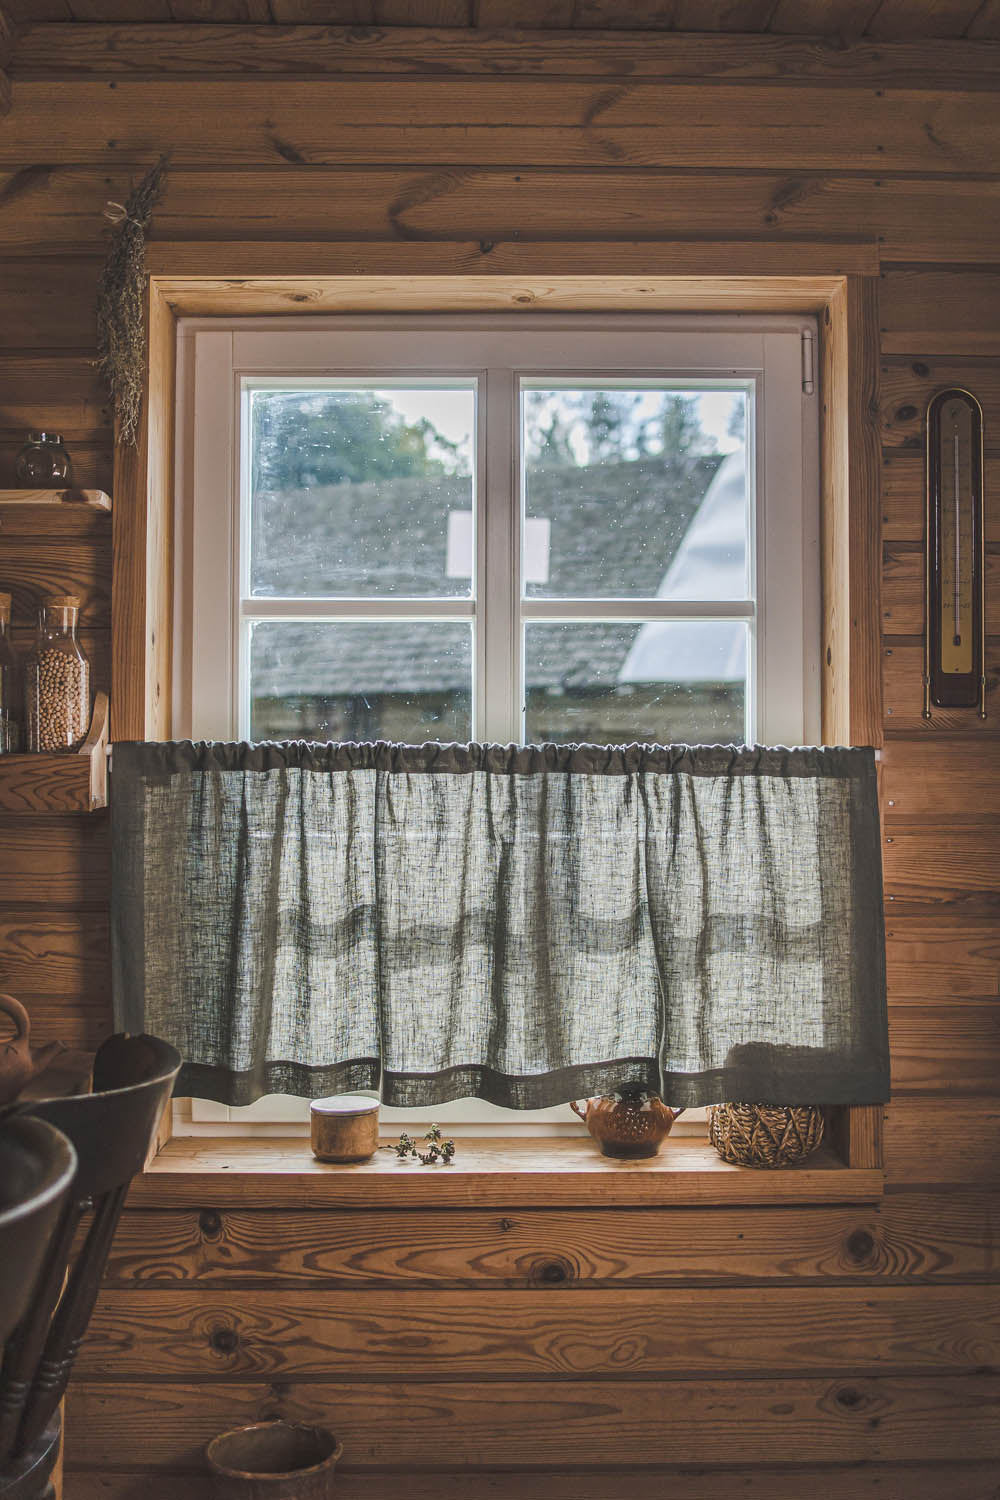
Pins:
x: 58, y: 391
x: 561, y: 1172
x: 47, y: 304
x: 120, y: 50
x: 602, y: 1423
x: 58, y: 208
x: 904, y: 588
x: 905, y: 1238
x: 80, y: 1021
x: 904, y: 496
x: 935, y: 864
x: 936, y: 956
x: 958, y: 1144
x: 369, y: 1335
x: 37, y: 567
x: 903, y: 689
x: 54, y: 861
x: 925, y: 1481
x: 907, y: 385
x: 940, y: 312
x: 919, y: 784
x: 503, y: 121
x: 47, y: 952
x: 949, y: 1048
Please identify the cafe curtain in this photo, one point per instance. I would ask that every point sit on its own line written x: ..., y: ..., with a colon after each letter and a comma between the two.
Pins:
x: 523, y: 924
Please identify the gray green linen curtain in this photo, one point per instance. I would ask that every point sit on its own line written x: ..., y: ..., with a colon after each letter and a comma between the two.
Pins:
x: 524, y: 924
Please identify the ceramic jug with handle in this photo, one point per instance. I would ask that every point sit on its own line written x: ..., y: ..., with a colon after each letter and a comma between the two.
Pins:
x: 19, y: 1060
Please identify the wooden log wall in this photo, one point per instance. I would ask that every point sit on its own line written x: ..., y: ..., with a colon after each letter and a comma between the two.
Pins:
x: 773, y: 1352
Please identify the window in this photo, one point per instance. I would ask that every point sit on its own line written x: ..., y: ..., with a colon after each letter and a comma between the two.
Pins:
x: 507, y: 527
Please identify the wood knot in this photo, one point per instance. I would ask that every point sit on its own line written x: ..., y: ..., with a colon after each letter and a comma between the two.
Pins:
x: 906, y: 413
x: 860, y: 1244
x: 553, y: 1272
x: 506, y: 1224
x: 849, y: 1398
x: 210, y: 1224
x: 919, y: 368
x: 224, y: 1340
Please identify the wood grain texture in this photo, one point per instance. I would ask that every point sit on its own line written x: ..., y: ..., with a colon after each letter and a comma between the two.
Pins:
x: 57, y: 390
x: 919, y: 785
x: 938, y: 957
x: 904, y: 503
x: 908, y: 384
x: 54, y: 861
x: 603, y: 1423
x: 924, y: 1481
x: 903, y: 587
x: 936, y: 865
x: 48, y: 952
x: 956, y: 1145
x: 57, y: 209
x: 564, y: 1172
x: 423, y: 1335
x: 905, y: 1239
x: 902, y: 679
x: 948, y: 1048
x: 503, y: 121
x: 303, y: 50
x: 36, y: 567
x: 940, y: 312
x: 851, y: 682
x: 143, y: 549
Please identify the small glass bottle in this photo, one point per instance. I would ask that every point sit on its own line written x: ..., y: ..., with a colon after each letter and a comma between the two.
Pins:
x: 43, y: 462
x: 11, y: 688
x: 57, y: 680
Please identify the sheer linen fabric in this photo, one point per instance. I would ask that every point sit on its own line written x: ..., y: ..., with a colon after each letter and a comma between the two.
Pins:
x: 523, y: 924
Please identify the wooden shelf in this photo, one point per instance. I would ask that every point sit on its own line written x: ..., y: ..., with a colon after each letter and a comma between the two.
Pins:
x: 52, y: 783
x: 559, y: 1172
x: 77, y: 499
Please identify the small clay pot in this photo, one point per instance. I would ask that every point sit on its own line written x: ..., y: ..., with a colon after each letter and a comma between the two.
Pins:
x: 628, y: 1126
x: 344, y: 1127
x: 273, y: 1461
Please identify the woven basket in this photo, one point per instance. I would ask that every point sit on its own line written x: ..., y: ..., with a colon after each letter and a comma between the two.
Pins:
x: 765, y: 1135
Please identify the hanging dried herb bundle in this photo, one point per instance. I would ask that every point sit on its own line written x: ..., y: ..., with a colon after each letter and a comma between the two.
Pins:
x: 121, y: 324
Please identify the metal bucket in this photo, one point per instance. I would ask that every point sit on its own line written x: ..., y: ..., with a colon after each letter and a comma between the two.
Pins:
x: 273, y: 1461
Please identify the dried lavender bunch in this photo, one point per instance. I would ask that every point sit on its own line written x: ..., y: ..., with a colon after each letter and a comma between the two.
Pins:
x: 121, y: 297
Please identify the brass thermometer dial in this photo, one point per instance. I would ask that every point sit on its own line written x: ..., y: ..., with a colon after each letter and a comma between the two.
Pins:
x: 955, y: 654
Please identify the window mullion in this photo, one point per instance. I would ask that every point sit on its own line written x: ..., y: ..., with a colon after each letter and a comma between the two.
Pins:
x: 500, y: 564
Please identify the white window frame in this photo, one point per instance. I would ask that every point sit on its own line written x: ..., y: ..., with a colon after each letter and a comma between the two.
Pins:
x: 212, y: 601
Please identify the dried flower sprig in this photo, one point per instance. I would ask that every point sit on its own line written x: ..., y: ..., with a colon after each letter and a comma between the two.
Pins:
x: 121, y: 321
x: 438, y: 1149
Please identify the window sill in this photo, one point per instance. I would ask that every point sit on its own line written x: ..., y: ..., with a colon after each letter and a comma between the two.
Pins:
x: 549, y: 1173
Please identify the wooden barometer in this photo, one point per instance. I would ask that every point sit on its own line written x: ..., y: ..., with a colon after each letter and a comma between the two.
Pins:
x: 955, y: 645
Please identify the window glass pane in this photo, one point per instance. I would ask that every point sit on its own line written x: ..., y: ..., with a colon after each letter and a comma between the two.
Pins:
x: 667, y: 682
x: 635, y: 492
x: 361, y: 680
x: 364, y: 492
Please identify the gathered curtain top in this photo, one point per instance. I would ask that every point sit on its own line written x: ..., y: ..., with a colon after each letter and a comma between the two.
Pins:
x: 171, y: 757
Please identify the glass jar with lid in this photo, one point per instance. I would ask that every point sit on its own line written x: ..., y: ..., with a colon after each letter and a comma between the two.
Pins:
x: 57, y: 680
x: 11, y: 688
x: 43, y: 462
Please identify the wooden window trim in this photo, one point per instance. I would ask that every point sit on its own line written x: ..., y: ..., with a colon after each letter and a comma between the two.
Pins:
x: 223, y: 279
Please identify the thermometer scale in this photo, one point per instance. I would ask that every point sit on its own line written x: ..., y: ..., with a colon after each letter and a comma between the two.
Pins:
x: 955, y: 655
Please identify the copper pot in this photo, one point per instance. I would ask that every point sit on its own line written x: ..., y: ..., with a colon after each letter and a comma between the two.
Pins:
x: 628, y: 1126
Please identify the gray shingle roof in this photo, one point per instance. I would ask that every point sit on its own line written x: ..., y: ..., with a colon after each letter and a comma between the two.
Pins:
x: 615, y: 529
